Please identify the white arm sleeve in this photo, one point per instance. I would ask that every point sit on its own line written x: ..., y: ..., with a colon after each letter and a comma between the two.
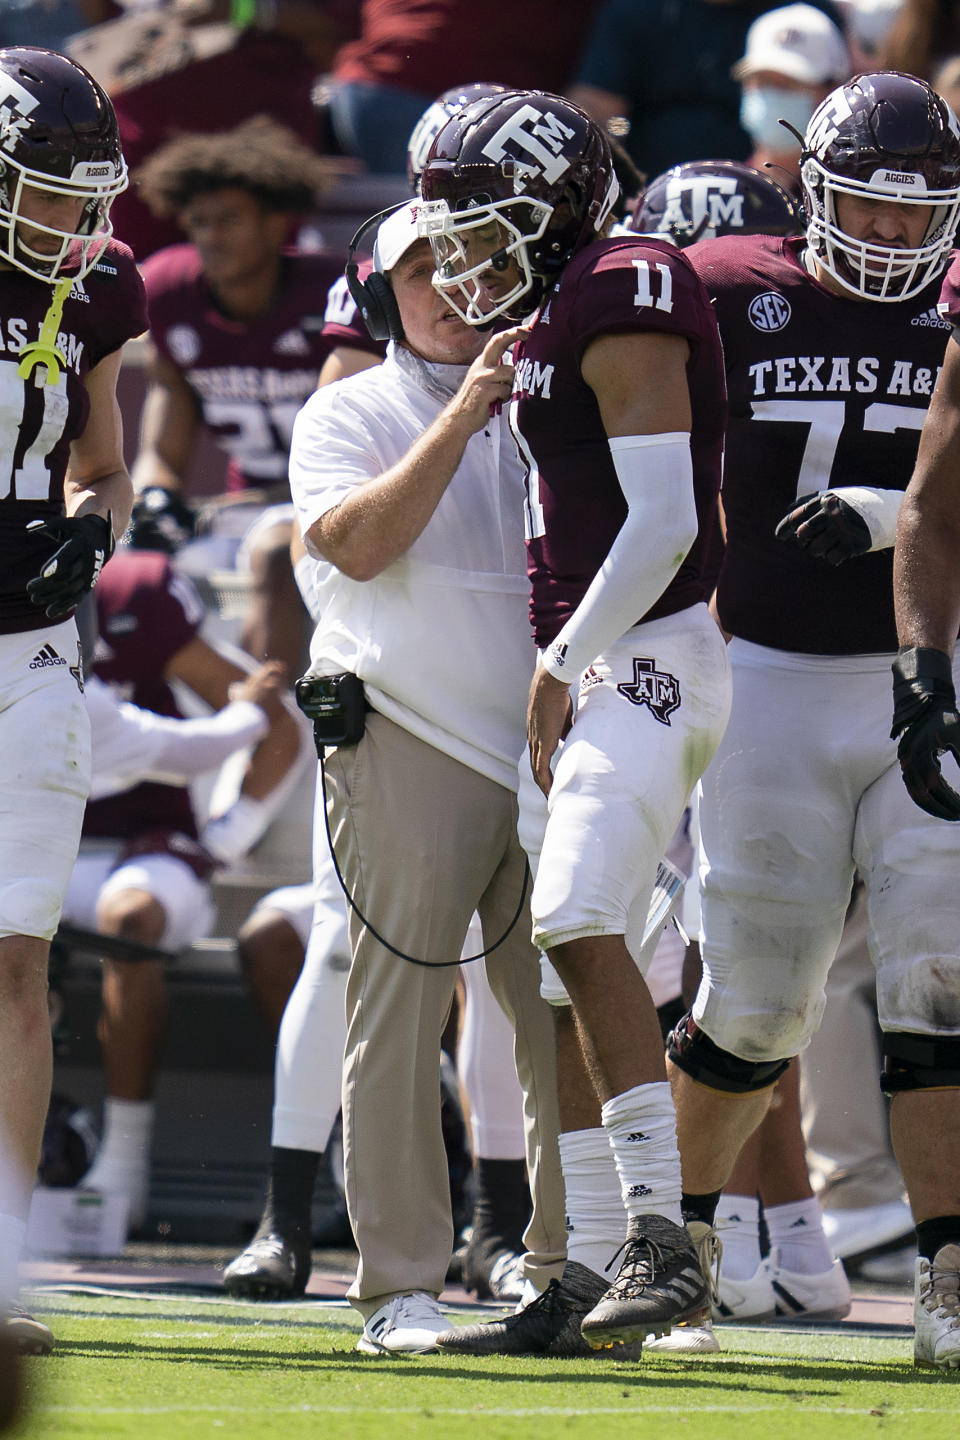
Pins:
x: 131, y: 745
x: 880, y: 510
x: 656, y: 476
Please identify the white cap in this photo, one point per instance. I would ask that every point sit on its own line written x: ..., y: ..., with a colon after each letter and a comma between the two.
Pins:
x: 395, y: 236
x: 798, y: 41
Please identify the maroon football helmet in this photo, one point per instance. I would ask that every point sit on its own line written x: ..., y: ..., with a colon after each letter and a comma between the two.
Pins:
x: 514, y: 186
x: 882, y: 136
x: 434, y: 118
x: 59, y: 137
x: 706, y: 198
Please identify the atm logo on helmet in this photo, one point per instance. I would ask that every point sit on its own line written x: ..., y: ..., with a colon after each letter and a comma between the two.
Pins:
x: 539, y: 134
x: 16, y: 103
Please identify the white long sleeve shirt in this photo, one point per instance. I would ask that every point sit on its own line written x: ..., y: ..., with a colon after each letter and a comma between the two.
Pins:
x: 130, y: 745
x: 441, y: 637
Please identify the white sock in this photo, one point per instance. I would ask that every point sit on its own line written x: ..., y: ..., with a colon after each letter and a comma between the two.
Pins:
x: 738, y: 1225
x: 122, y: 1166
x: 596, y: 1219
x: 796, y: 1230
x: 642, y: 1129
x: 13, y: 1232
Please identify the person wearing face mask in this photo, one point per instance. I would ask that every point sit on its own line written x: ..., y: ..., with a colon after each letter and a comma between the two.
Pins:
x: 794, y: 57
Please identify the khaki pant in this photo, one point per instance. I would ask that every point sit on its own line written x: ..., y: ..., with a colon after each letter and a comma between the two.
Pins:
x: 422, y: 842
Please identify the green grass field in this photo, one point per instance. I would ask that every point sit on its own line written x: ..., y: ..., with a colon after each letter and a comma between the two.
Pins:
x: 149, y: 1368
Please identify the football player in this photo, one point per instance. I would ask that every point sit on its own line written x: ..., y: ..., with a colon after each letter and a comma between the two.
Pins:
x: 618, y: 410
x: 235, y: 324
x: 706, y: 198
x: 832, y: 344
x: 69, y: 299
x: 144, y: 864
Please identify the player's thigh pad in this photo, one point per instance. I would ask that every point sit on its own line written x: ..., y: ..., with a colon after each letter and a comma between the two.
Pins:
x: 186, y: 900
x: 45, y: 745
x: 910, y: 863
x: 777, y: 810
x: 650, y: 713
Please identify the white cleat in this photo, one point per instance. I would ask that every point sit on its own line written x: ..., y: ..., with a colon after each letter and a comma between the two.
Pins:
x: 686, y: 1340
x: 749, y: 1299
x: 936, y: 1310
x: 824, y: 1296
x: 406, y: 1325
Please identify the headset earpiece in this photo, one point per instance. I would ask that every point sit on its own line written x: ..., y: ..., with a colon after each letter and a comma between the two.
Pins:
x: 374, y: 297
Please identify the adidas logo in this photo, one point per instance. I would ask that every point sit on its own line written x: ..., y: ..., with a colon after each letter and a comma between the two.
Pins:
x: 931, y: 318
x: 799, y: 1223
x: 292, y: 342
x: 568, y: 1223
x: 637, y: 1138
x: 47, y: 656
x: 637, y: 1192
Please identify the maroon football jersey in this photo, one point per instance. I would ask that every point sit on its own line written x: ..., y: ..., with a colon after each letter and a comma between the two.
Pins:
x: 39, y: 422
x: 823, y: 390
x: 575, y: 506
x: 250, y: 378
x: 342, y: 322
x: 147, y: 611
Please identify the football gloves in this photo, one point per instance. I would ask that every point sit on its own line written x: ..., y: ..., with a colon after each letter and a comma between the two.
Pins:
x: 86, y: 543
x: 826, y: 526
x: 926, y: 720
x: 161, y: 520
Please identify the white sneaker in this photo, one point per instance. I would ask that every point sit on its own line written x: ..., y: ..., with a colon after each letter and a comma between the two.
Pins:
x: 749, y: 1299
x: 936, y: 1310
x: 686, y: 1340
x: 406, y: 1324
x: 851, y: 1232
x: 825, y: 1296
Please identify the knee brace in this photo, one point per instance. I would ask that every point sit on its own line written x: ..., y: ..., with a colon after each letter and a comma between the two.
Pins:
x: 919, y: 1062
x: 695, y: 1053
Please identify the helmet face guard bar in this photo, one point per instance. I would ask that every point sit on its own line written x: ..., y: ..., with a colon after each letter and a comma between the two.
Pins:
x: 480, y: 242
x: 871, y: 271
x: 80, y: 248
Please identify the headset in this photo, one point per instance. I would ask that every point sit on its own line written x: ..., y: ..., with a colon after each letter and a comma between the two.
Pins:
x: 374, y: 296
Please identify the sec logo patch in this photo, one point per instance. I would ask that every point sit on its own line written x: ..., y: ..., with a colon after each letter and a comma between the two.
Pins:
x: 769, y: 311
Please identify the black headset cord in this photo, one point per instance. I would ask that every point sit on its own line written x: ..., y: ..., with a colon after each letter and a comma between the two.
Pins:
x: 411, y: 959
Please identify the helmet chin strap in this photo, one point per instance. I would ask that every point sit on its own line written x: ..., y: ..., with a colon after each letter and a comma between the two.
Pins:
x: 43, y: 351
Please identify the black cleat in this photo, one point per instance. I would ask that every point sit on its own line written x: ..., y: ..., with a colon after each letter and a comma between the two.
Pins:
x: 549, y: 1325
x: 269, y: 1269
x: 660, y: 1283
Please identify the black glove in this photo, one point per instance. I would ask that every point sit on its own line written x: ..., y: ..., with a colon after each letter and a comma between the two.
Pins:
x: 86, y: 543
x: 925, y: 717
x: 826, y: 526
x: 161, y: 520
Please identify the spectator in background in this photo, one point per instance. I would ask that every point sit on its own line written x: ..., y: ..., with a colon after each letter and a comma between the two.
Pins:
x: 866, y: 24
x: 236, y: 322
x: 144, y: 862
x: 411, y: 50
x: 924, y: 34
x: 270, y: 70
x: 794, y: 57
x: 48, y: 22
x: 946, y: 81
x: 665, y: 70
